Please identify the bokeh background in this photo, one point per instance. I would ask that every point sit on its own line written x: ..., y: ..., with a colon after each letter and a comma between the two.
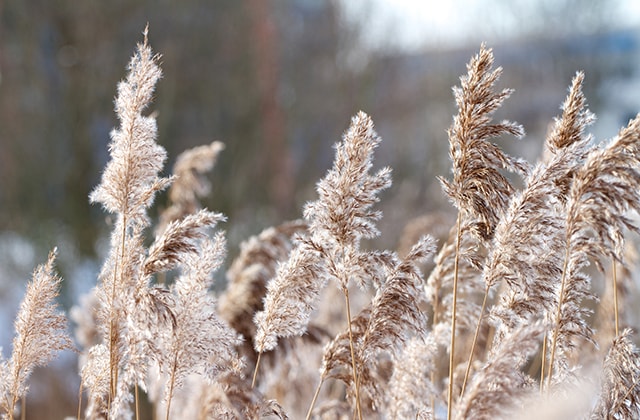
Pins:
x: 277, y: 82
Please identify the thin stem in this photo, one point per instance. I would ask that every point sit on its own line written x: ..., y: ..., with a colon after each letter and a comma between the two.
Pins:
x: 353, y: 359
x: 615, y: 296
x: 315, y: 398
x: 556, y: 328
x: 453, y: 318
x: 543, y: 359
x: 534, y: 367
x: 171, y: 384
x: 475, y: 340
x: 626, y: 395
x: 12, y: 407
x: 135, y: 388
x: 436, y: 308
x: 79, y: 400
x: 14, y: 391
x: 255, y: 371
x: 113, y: 362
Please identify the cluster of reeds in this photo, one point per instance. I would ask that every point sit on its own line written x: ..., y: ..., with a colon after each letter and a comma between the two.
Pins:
x: 313, y: 323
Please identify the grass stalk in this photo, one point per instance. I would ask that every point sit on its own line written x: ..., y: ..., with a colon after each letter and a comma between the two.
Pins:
x: 626, y: 395
x: 171, y: 385
x: 543, y: 358
x: 315, y: 398
x: 615, y: 296
x: 436, y: 308
x: 255, y: 371
x: 14, y: 393
x: 353, y: 359
x: 474, y: 342
x: 136, y: 398
x: 79, y: 400
x: 556, y: 328
x: 453, y: 317
x: 113, y: 363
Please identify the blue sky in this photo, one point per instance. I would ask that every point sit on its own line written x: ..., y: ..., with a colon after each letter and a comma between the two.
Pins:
x: 417, y: 24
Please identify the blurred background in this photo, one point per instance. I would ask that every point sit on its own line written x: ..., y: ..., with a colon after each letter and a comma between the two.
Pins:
x: 277, y: 82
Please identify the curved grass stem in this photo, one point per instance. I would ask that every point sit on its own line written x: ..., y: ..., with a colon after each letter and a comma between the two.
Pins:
x: 315, y: 398
x: 353, y: 359
x: 453, y: 318
x: 475, y: 340
x: 615, y: 296
x: 543, y: 359
x: 556, y: 328
x: 79, y: 400
x: 255, y: 371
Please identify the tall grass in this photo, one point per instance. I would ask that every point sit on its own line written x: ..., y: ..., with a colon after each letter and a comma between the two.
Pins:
x: 507, y: 319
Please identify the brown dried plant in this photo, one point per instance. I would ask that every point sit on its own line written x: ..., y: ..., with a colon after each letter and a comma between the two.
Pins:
x: 620, y: 393
x: 249, y: 274
x: 603, y: 190
x: 338, y: 220
x: 529, y: 241
x: 190, y: 183
x: 129, y: 184
x: 528, y: 245
x: 41, y: 332
x: 478, y: 189
x: 499, y: 385
x: 524, y: 252
x: 200, y: 342
x: 393, y: 316
x: 410, y: 386
x: 142, y: 325
x: 615, y: 306
x: 395, y: 312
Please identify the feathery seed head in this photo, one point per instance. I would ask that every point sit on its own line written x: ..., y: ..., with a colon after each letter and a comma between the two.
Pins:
x: 130, y: 180
x: 478, y: 189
